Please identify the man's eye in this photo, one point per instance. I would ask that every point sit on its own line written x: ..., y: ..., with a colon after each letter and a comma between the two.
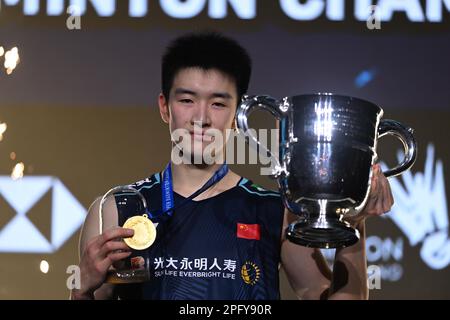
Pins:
x: 186, y: 101
x: 219, y: 104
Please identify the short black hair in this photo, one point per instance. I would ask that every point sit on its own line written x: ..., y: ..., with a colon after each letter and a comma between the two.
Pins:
x: 206, y: 50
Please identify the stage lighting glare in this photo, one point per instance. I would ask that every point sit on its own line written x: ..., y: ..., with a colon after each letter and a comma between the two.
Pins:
x: 44, y: 266
x: 11, y: 60
x: 3, y: 128
x: 17, y: 172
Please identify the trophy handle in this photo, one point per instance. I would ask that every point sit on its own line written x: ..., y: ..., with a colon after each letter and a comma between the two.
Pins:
x: 111, y: 192
x: 247, y: 106
x: 405, y: 135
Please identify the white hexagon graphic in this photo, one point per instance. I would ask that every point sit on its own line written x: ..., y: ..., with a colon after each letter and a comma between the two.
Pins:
x: 20, y: 235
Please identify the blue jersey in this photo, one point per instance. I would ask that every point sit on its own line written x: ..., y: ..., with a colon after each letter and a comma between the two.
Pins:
x: 223, y: 247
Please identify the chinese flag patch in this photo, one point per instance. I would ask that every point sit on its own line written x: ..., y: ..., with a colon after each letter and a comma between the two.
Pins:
x: 248, y: 231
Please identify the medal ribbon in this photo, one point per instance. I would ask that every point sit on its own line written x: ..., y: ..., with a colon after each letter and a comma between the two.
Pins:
x: 167, y: 191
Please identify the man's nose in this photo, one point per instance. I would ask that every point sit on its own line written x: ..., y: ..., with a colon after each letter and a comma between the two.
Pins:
x: 201, y: 118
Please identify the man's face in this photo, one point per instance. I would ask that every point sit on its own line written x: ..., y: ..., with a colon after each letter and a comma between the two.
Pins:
x: 202, y: 103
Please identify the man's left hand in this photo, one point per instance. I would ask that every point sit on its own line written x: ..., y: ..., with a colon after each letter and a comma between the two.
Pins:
x: 380, y: 198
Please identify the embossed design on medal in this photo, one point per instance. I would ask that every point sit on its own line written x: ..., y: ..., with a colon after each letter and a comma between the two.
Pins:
x: 144, y: 232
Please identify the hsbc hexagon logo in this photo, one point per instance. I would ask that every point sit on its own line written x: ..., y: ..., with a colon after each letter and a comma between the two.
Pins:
x: 19, y: 234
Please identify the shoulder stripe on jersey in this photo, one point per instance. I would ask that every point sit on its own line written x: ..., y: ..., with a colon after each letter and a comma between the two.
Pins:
x: 268, y: 193
x: 157, y: 178
x: 243, y: 181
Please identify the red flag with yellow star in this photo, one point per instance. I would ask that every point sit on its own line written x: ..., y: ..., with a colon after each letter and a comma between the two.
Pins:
x: 248, y: 231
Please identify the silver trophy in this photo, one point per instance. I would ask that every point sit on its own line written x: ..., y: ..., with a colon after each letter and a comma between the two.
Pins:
x: 327, y: 146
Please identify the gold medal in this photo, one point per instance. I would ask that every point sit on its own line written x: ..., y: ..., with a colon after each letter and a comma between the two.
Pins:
x: 144, y: 232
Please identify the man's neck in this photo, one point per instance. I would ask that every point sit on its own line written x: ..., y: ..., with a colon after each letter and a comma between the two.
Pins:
x: 188, y: 178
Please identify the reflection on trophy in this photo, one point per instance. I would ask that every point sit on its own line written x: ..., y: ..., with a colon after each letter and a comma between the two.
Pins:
x: 126, y: 207
x: 327, y: 146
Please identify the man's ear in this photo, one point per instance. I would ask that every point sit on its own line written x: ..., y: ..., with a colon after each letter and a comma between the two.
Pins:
x: 164, y: 108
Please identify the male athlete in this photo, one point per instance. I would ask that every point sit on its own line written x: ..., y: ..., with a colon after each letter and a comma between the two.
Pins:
x: 229, y: 241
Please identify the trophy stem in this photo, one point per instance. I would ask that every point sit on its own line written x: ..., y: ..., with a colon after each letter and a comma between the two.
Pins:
x: 324, y: 229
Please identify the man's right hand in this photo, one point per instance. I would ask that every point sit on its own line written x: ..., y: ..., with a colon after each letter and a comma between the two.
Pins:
x: 100, y: 253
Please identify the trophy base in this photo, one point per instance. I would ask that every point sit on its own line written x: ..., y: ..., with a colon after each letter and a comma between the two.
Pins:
x: 127, y: 276
x: 335, y: 234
